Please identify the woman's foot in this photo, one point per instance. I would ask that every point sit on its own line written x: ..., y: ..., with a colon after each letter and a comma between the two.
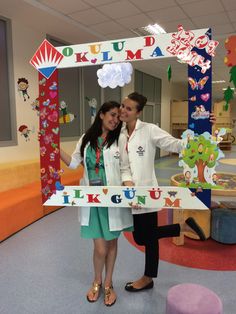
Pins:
x: 191, y: 225
x: 143, y: 283
x: 109, y: 296
x: 94, y: 292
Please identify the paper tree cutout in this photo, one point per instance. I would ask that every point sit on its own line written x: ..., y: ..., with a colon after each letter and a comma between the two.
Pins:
x: 199, y: 158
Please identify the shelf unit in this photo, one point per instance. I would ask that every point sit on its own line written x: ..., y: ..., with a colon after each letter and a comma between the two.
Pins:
x: 179, y: 120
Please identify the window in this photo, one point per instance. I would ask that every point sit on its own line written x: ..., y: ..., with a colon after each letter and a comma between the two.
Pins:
x: 7, y: 100
x: 91, y: 90
x: 112, y: 94
x: 69, y: 81
x: 79, y: 88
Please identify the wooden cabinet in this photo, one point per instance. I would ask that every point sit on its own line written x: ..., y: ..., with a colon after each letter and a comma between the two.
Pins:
x: 179, y: 120
x: 178, y: 117
x: 223, y: 120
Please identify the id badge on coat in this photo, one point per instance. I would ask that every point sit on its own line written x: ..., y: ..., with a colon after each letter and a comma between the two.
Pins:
x: 95, y: 182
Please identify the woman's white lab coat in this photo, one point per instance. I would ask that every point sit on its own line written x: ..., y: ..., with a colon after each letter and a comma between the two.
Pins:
x: 117, y: 170
x: 142, y: 145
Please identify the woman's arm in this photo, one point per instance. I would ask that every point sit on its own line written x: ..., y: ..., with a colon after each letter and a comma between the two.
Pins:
x: 65, y: 157
x: 75, y: 159
x: 124, y: 161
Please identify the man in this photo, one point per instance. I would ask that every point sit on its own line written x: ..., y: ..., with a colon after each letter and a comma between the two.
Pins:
x: 142, y: 140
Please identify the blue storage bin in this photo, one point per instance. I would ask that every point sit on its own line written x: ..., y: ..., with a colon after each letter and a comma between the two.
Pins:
x: 223, y: 225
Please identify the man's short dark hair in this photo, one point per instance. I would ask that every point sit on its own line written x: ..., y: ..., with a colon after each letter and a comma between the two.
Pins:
x: 140, y: 99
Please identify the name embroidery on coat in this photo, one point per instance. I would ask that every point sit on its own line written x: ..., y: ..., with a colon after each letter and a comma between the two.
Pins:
x: 117, y: 155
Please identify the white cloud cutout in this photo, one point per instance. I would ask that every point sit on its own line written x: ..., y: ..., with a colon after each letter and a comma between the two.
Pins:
x: 115, y: 74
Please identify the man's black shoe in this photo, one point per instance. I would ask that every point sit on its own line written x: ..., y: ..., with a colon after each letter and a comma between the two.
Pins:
x: 129, y: 287
x: 191, y: 222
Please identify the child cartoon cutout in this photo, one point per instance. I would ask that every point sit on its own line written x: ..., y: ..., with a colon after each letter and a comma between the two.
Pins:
x: 23, y: 85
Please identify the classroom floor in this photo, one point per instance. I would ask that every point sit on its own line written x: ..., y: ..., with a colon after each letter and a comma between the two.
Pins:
x: 46, y: 268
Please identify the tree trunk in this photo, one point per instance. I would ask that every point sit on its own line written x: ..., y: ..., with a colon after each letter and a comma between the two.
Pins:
x: 201, y: 166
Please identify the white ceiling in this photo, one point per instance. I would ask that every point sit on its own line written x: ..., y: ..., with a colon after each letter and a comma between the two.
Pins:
x: 80, y: 21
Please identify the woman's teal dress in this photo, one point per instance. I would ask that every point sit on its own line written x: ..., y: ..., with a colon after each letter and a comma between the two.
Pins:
x: 98, y: 221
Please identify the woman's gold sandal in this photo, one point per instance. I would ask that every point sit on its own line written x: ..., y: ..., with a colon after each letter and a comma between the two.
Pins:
x: 95, y: 290
x: 107, y: 293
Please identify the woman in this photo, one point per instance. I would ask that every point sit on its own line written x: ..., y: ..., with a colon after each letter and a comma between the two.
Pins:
x: 142, y: 140
x: 103, y: 154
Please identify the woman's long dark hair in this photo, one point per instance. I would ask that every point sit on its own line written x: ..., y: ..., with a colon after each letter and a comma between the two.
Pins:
x: 92, y: 134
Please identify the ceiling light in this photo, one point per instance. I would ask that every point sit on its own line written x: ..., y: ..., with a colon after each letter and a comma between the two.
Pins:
x: 218, y: 82
x: 154, y: 29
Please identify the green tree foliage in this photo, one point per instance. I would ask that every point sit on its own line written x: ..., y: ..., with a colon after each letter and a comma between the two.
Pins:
x: 200, y: 152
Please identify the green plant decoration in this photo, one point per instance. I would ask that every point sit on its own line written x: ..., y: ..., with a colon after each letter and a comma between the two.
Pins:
x: 233, y: 75
x: 228, y: 95
x: 169, y: 72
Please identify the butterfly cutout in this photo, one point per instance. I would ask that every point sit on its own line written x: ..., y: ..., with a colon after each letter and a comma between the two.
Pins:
x: 198, y: 85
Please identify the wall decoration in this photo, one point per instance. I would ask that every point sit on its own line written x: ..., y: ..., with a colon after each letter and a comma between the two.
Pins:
x: 230, y: 61
x: 182, y: 45
x: 49, y: 139
x: 93, y: 107
x: 198, y: 85
x: 169, y: 73
x: 193, y: 47
x: 230, y: 46
x: 46, y: 60
x: 115, y: 74
x: 25, y: 132
x: 193, y: 98
x: 120, y: 196
x: 42, y: 81
x: 228, y: 95
x: 23, y: 85
x: 232, y: 73
x: 199, y: 158
x: 200, y: 113
x: 35, y: 105
x: 66, y: 117
x: 124, y: 50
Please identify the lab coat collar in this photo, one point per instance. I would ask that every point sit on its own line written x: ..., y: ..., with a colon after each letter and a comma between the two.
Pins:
x: 138, y: 125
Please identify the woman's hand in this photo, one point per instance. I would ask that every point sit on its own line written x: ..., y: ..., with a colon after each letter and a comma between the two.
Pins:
x: 135, y: 206
x: 212, y: 118
x: 128, y: 183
